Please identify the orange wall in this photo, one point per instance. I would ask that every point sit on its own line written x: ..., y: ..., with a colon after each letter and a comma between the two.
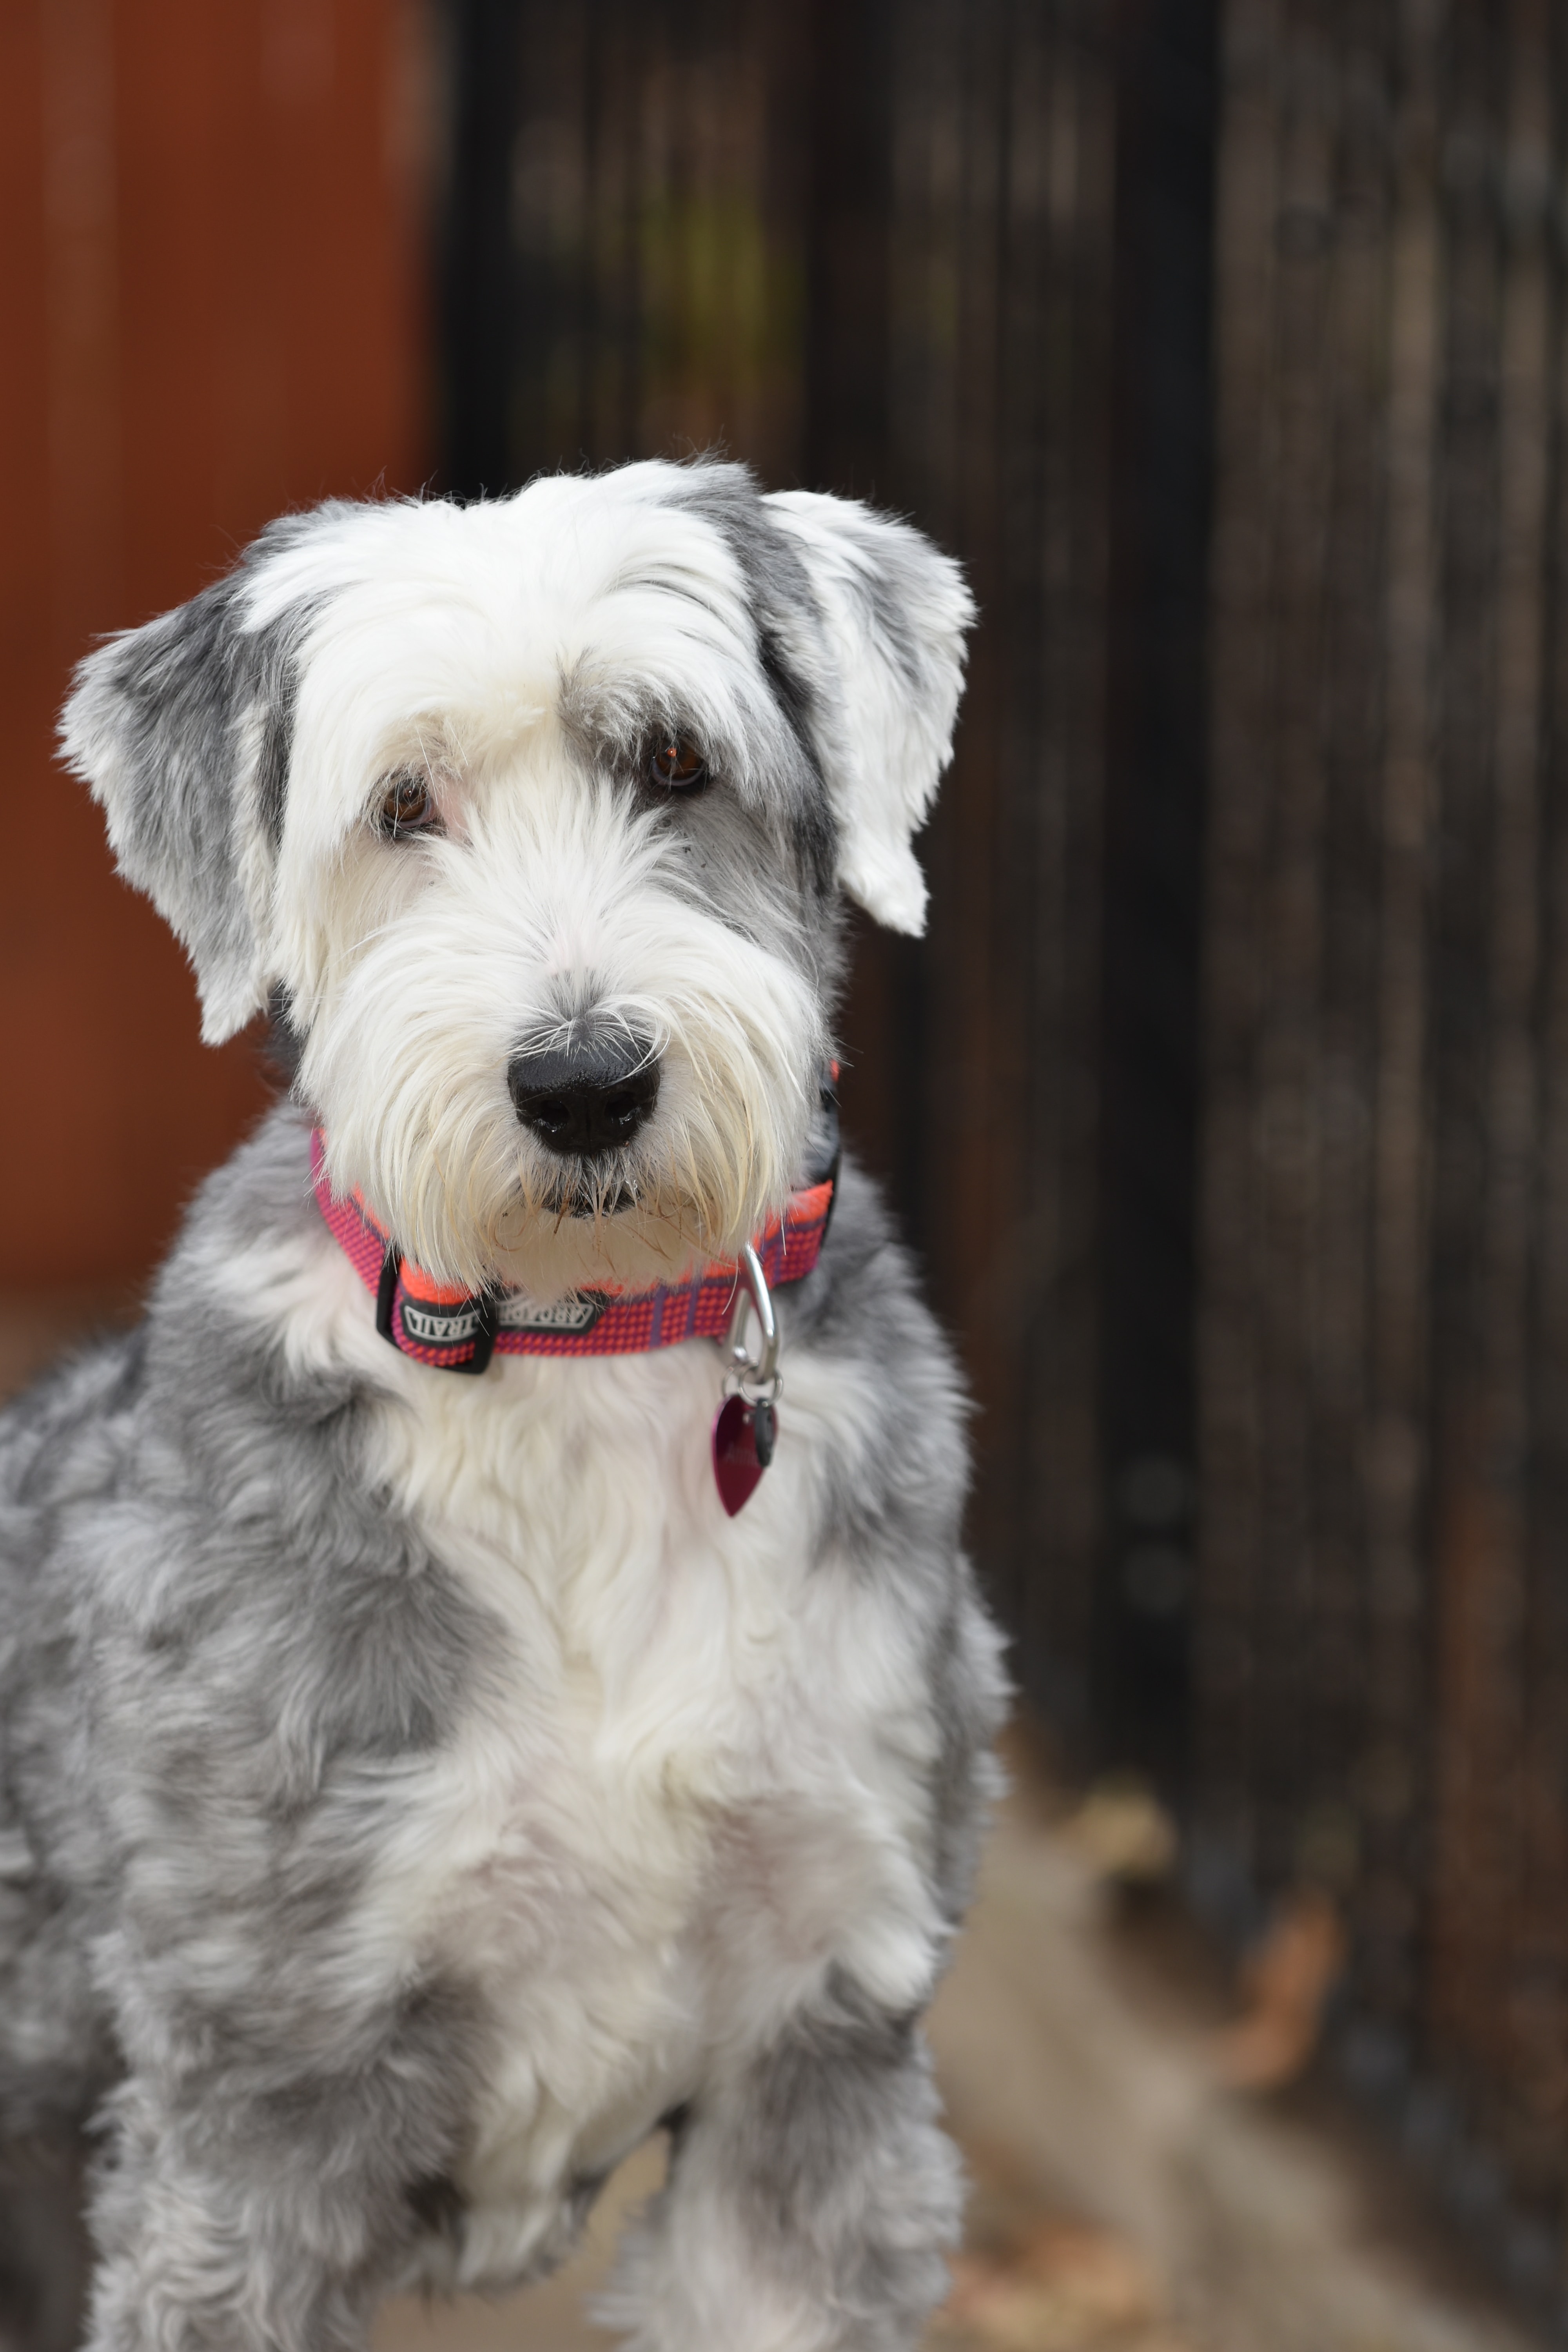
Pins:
x: 211, y: 309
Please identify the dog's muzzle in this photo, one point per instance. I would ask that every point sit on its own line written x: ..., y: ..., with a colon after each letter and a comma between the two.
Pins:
x: 585, y: 1101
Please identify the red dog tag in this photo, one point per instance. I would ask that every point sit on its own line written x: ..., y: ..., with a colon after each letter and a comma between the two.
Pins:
x: 741, y: 1451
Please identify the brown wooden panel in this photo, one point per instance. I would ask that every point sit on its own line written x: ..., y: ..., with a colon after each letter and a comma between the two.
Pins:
x: 213, y: 309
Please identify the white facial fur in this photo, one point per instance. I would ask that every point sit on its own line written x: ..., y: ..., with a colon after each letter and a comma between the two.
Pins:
x: 552, y: 896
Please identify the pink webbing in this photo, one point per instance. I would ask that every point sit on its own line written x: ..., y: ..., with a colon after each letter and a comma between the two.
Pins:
x: 613, y: 1323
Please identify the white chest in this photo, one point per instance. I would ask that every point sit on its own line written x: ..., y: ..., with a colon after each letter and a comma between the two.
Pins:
x: 688, y: 1785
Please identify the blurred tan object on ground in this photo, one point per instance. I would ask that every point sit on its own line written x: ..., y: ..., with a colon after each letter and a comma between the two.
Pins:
x: 1287, y: 1981
x: 1123, y: 1833
x: 1061, y: 2286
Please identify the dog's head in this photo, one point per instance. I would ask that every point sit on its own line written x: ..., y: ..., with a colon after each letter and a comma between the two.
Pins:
x: 537, y: 811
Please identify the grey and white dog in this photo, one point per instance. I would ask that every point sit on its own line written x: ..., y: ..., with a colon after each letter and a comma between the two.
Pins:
x: 415, y: 1791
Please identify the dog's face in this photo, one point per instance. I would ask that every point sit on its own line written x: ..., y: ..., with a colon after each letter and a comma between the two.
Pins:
x: 539, y: 812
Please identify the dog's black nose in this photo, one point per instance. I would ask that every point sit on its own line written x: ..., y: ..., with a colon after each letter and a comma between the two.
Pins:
x: 585, y: 1101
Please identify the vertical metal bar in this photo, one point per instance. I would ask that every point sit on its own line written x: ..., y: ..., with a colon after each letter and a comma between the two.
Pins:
x: 1156, y: 760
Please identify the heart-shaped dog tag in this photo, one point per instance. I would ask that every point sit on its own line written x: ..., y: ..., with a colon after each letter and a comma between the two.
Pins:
x: 738, y: 1459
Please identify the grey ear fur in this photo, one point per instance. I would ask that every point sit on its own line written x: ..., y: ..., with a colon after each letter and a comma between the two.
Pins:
x: 896, y: 612
x: 181, y: 729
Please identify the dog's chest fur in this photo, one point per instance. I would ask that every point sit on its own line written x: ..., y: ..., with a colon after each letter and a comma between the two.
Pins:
x: 682, y: 1791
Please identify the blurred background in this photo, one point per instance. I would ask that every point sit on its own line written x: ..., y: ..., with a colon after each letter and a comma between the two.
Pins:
x: 1226, y: 1101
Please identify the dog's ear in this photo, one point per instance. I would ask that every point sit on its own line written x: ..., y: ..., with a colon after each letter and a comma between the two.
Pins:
x: 181, y: 729
x: 896, y: 612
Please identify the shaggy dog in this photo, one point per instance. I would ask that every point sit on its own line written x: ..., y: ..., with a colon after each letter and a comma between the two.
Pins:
x: 417, y: 1789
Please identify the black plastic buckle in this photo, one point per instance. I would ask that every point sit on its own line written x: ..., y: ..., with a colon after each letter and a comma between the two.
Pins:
x: 486, y: 1305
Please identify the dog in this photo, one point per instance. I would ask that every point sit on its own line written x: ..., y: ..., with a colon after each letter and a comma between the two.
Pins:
x: 487, y: 1670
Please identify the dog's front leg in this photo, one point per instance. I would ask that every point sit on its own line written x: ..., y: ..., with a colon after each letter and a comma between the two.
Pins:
x: 809, y: 2203
x: 244, y: 2230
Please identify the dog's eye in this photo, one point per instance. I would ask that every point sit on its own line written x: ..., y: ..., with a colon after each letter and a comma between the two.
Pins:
x: 675, y: 765
x: 409, y: 806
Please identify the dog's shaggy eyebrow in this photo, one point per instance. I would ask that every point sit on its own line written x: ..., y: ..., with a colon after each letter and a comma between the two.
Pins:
x: 667, y: 583
x: 619, y: 713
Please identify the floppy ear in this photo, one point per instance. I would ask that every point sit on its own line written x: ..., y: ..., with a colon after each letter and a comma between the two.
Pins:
x: 181, y: 729
x: 895, y: 613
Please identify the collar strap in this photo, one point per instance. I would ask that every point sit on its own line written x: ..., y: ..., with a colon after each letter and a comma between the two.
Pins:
x: 455, y: 1332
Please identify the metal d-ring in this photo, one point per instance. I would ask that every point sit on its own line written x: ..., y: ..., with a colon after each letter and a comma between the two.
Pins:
x: 764, y: 1374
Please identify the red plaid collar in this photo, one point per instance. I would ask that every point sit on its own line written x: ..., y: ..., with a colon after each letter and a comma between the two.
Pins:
x: 455, y: 1332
